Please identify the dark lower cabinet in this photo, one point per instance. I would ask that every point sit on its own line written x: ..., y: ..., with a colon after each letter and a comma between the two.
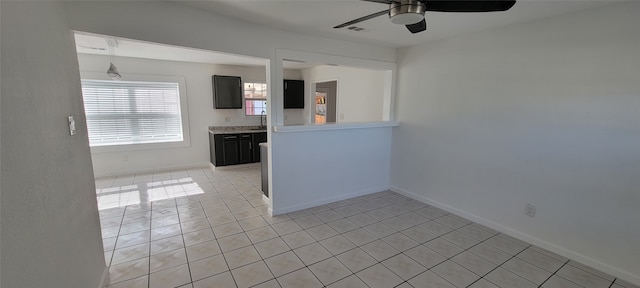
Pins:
x: 246, y: 151
x: 231, y: 149
x: 264, y: 170
x: 257, y: 139
x: 224, y: 149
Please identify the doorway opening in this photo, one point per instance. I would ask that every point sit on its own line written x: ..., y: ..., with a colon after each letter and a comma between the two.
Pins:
x: 325, y: 101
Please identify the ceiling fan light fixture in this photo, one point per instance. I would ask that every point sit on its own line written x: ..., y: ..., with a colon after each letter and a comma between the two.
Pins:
x: 406, y: 12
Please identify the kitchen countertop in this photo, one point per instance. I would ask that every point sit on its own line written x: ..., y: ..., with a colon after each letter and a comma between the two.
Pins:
x: 235, y: 129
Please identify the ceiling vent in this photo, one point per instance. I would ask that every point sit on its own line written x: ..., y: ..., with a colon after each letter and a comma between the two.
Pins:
x: 356, y: 28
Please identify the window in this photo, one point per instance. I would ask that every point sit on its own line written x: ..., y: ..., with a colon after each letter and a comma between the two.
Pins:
x: 255, y: 99
x: 127, y: 112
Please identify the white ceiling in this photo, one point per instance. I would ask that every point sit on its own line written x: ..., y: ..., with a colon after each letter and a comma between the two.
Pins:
x: 97, y: 44
x: 317, y: 17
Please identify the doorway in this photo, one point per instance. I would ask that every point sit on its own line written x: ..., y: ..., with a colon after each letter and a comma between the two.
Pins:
x: 325, y: 101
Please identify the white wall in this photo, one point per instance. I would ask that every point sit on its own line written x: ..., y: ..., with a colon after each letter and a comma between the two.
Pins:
x: 360, y: 91
x: 200, y: 107
x: 49, y: 221
x: 545, y: 113
x: 320, y: 167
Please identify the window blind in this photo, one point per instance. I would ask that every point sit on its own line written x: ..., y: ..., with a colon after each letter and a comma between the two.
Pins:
x: 127, y: 112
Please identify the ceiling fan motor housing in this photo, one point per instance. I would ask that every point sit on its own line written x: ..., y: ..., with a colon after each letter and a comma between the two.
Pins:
x: 406, y: 12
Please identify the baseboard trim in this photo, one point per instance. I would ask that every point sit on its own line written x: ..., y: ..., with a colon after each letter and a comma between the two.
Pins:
x: 104, y: 280
x: 327, y: 200
x: 614, y: 271
x: 268, y: 202
x: 231, y: 167
x: 144, y: 170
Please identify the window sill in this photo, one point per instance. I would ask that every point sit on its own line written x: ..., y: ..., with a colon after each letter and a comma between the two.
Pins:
x: 136, y: 147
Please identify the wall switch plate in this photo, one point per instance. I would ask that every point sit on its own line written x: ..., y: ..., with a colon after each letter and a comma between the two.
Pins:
x: 72, y: 125
x: 530, y: 210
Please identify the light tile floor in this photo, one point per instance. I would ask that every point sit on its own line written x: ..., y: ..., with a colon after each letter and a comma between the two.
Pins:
x: 204, y: 228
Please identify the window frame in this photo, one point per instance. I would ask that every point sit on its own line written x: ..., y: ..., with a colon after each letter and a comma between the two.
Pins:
x: 184, y: 112
x: 244, y: 99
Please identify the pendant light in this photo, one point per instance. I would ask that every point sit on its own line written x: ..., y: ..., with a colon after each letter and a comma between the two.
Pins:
x: 112, y: 72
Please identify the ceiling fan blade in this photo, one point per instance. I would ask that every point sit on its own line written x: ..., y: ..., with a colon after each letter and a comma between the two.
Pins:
x: 417, y: 27
x: 468, y: 6
x: 379, y: 1
x: 374, y: 15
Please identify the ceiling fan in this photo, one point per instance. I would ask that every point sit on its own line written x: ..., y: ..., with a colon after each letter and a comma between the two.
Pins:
x: 411, y: 12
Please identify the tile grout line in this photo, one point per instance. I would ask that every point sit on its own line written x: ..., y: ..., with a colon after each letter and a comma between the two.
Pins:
x: 216, y: 238
x: 184, y: 247
x: 500, y: 266
x: 150, y: 227
x: 554, y: 273
x: 464, y: 250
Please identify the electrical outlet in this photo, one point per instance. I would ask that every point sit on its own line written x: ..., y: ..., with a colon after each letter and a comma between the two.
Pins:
x: 72, y: 125
x: 530, y: 210
x: 227, y: 119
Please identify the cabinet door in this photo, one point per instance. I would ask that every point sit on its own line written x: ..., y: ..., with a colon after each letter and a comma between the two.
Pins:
x: 246, y: 149
x: 212, y: 149
x: 264, y: 170
x: 257, y: 139
x: 230, y: 150
x: 227, y: 92
x: 293, y: 94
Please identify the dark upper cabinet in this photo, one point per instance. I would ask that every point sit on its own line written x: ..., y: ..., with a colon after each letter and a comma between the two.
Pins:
x: 293, y: 94
x: 227, y: 92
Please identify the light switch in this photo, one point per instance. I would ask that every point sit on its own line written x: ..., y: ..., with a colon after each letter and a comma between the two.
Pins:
x: 72, y: 126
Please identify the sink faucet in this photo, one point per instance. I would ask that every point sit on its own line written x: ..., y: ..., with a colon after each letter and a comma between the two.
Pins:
x: 263, y: 119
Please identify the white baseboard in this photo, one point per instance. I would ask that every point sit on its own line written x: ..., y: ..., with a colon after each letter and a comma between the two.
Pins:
x: 327, y: 200
x: 573, y: 255
x: 231, y: 167
x: 149, y: 170
x: 104, y: 280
